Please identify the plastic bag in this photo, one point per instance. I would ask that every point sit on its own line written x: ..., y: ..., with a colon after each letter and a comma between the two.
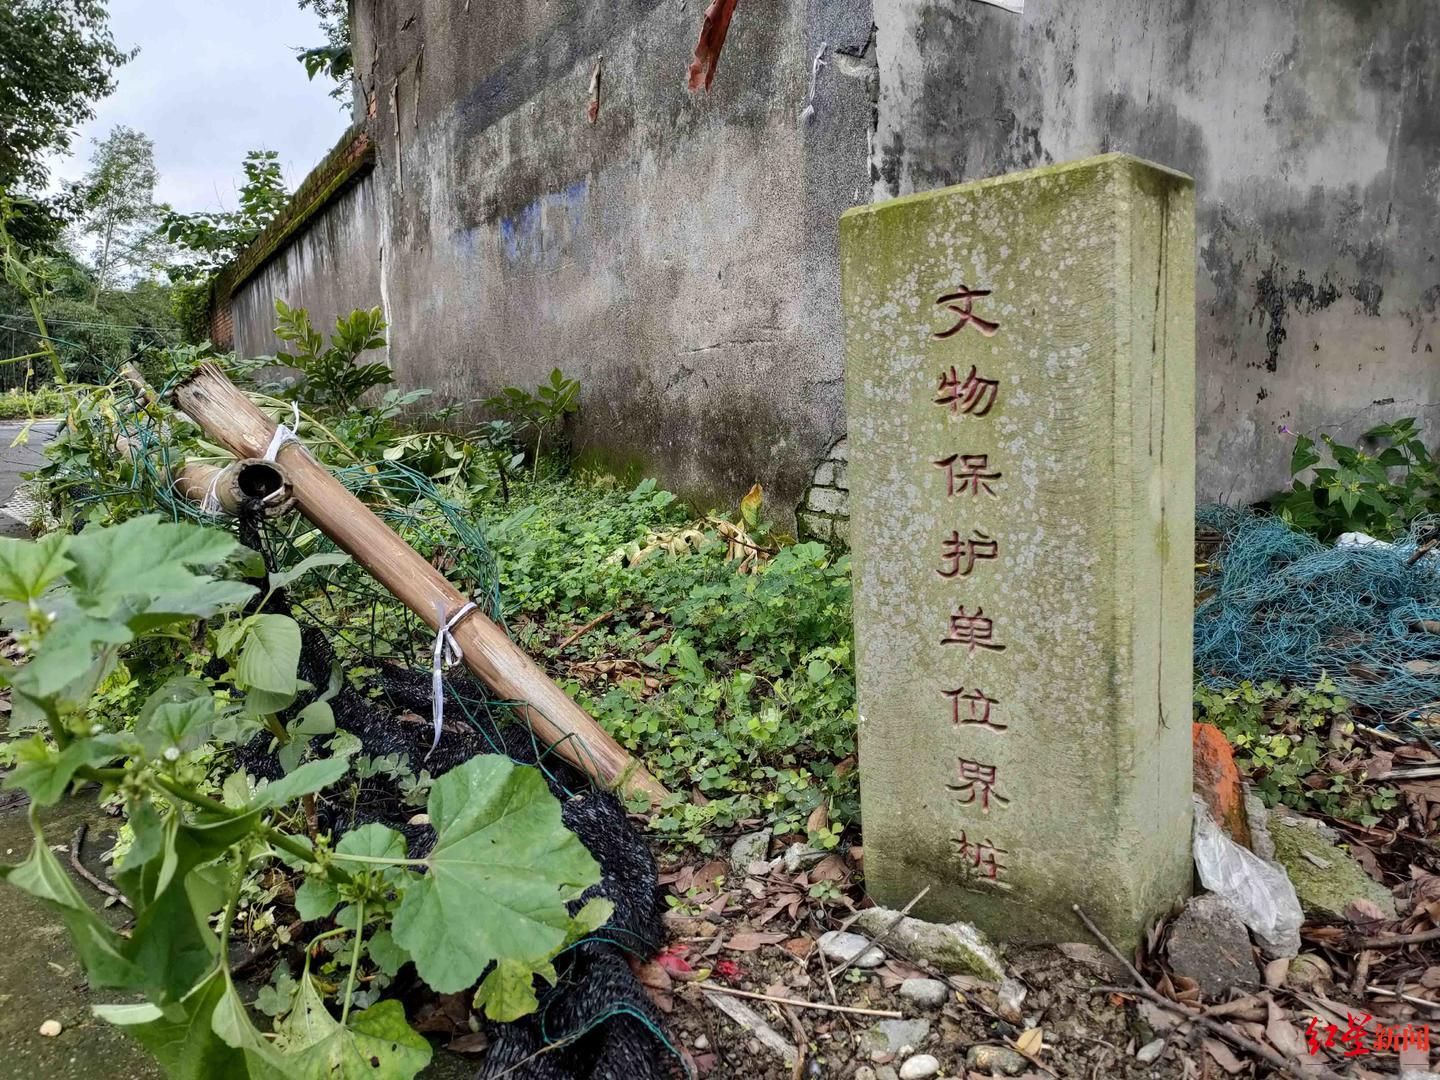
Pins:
x: 1259, y: 891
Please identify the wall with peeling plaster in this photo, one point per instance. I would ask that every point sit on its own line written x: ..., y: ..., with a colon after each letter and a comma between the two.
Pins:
x: 678, y: 256
x: 1312, y: 128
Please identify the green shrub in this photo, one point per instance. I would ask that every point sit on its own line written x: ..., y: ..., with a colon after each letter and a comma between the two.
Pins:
x: 18, y: 405
x: 736, y: 690
x: 1377, y: 492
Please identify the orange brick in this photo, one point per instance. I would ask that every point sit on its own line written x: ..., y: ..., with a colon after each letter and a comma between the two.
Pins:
x: 1217, y: 781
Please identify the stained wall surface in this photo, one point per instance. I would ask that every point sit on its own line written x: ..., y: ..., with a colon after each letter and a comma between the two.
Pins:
x: 679, y: 254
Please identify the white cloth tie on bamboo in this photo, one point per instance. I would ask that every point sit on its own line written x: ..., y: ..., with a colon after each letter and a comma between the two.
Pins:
x: 447, y: 652
x: 210, y: 504
x: 284, y: 434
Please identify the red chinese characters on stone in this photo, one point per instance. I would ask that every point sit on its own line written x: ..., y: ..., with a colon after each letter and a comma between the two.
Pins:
x: 977, y: 783
x: 967, y: 473
x: 976, y: 711
x: 972, y: 396
x: 984, y: 856
x: 957, y: 557
x: 962, y: 303
x: 972, y: 631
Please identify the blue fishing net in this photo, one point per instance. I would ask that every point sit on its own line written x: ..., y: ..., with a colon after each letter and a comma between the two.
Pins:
x: 1275, y: 603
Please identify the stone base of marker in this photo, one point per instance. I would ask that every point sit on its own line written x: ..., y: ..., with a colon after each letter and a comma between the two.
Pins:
x: 1020, y: 383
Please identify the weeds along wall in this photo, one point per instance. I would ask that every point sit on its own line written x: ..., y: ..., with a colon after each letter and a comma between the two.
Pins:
x: 677, y: 254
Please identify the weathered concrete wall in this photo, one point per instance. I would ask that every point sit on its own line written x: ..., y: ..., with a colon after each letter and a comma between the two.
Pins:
x: 330, y: 268
x: 1312, y: 128
x: 678, y: 256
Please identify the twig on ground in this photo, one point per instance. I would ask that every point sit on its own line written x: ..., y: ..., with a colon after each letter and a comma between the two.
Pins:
x: 1144, y: 989
x: 888, y: 1014
x: 802, y: 1042
x: 830, y: 985
x: 578, y: 634
x: 752, y: 1022
x: 1391, y: 941
x: 1403, y: 997
x: 79, y: 868
x: 871, y: 942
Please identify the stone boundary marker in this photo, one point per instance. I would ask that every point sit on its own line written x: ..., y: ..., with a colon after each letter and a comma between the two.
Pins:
x: 1020, y: 359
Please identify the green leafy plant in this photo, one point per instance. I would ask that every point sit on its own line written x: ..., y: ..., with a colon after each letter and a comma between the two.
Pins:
x: 1378, y: 491
x: 211, y: 239
x: 332, y: 377
x: 502, y: 855
x: 1280, y: 736
x: 539, y: 414
x: 736, y: 689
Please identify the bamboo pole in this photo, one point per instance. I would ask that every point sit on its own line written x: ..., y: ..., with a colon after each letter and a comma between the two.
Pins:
x: 230, y: 419
x: 252, y: 483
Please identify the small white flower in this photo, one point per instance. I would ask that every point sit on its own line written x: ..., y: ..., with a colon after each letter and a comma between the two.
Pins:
x: 172, y: 753
x: 96, y: 729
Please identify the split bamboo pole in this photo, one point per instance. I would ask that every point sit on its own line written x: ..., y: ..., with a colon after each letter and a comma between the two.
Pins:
x: 230, y: 419
x: 252, y: 484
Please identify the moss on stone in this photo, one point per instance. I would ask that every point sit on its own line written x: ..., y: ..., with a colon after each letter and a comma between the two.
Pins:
x: 1325, y: 891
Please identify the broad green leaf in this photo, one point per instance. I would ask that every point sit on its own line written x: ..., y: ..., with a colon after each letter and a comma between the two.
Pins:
x: 44, y: 773
x: 595, y: 913
x: 99, y: 947
x: 28, y: 568
x: 231, y: 634
x: 388, y: 956
x: 174, y: 900
x: 148, y: 832
x: 180, y: 1036
x: 377, y: 1044
x: 144, y: 556
x: 311, y: 562
x: 500, y: 849
x: 317, y: 718
x: 508, y: 992
x: 231, y: 1022
x: 69, y: 657
x: 373, y: 841
x: 309, y: 778
x: 315, y: 898
x: 176, y: 726
x: 270, y: 655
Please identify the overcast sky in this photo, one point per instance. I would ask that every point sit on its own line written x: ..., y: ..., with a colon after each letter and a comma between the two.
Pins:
x: 214, y: 79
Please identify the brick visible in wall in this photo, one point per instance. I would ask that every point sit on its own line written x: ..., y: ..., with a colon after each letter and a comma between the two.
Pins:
x: 222, y: 322
x: 825, y: 513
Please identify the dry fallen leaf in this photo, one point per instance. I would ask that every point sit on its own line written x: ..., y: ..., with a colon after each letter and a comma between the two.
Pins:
x: 1031, y: 1041
x: 1224, y: 1056
x: 749, y: 942
x: 1282, y: 1033
x: 1275, y: 972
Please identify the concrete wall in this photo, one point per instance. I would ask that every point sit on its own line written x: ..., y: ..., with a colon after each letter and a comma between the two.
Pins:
x: 678, y: 256
x: 1312, y: 128
x: 330, y: 268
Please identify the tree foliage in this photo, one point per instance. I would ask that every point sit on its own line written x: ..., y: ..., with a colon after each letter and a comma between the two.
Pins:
x: 210, y: 239
x: 57, y: 57
x: 118, y: 214
x: 335, y: 57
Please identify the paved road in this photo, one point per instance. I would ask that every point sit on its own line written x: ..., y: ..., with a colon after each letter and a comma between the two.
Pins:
x: 15, y: 462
